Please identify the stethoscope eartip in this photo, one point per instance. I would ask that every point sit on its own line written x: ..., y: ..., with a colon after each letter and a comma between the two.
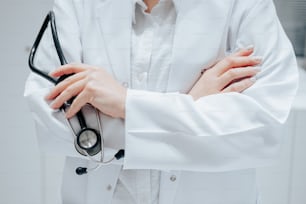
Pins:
x: 120, y: 154
x: 81, y: 171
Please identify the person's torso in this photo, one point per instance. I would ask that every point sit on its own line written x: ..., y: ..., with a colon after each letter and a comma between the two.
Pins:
x: 176, y: 187
x: 200, y: 37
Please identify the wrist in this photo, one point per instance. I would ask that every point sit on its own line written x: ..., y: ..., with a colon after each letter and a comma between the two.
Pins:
x: 122, y: 103
x: 193, y: 95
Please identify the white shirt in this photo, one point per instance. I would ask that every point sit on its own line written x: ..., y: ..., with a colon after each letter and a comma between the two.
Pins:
x: 152, y: 40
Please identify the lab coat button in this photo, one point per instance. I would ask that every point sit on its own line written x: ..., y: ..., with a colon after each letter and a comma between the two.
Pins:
x: 109, y: 187
x: 173, y: 178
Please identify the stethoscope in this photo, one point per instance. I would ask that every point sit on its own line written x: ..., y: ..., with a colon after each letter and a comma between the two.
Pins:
x: 87, y: 141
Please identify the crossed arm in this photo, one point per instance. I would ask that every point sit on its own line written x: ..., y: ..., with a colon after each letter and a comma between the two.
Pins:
x: 214, y: 133
x: 95, y: 86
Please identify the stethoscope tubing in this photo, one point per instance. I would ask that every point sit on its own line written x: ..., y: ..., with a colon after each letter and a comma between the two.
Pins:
x: 35, y: 46
x: 50, y: 18
x: 83, y: 152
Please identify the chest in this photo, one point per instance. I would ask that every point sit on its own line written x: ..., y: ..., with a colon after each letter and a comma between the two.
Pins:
x: 199, y: 39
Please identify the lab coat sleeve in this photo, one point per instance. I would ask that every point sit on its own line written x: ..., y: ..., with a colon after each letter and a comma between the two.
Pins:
x: 52, y: 132
x: 219, y: 132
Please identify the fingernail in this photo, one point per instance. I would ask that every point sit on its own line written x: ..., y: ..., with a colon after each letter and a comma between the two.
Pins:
x: 51, y: 73
x: 250, y: 47
x: 52, y: 105
x: 253, y: 79
x: 68, y: 113
x: 257, y: 58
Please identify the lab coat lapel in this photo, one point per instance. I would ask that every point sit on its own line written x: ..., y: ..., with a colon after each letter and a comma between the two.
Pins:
x: 199, y: 39
x: 115, y: 21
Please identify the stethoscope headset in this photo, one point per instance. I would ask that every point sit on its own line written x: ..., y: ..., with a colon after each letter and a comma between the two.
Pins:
x: 87, y: 141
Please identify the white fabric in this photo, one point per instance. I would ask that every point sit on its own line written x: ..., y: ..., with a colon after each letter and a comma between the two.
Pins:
x: 201, y: 151
x: 152, y: 39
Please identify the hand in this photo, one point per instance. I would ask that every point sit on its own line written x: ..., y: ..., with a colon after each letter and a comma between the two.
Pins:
x: 90, y: 85
x: 235, y: 73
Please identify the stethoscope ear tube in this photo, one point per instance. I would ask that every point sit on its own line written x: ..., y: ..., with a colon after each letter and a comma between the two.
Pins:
x: 88, y: 142
x: 35, y: 47
x: 50, y: 18
x: 55, y: 38
x: 120, y: 154
x: 83, y: 170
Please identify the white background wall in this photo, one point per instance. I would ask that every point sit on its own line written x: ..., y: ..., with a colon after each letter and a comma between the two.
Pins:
x: 285, y: 183
x: 28, y: 177
x: 293, y: 16
x: 23, y: 178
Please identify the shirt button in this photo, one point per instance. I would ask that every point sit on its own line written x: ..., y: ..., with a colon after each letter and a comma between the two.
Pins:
x: 125, y: 84
x: 109, y: 188
x: 173, y: 178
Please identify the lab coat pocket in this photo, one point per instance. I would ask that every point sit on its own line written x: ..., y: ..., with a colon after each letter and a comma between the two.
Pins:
x: 52, y: 133
x: 232, y: 187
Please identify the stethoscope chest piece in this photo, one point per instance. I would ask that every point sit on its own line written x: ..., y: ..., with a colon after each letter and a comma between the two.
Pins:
x: 88, y: 140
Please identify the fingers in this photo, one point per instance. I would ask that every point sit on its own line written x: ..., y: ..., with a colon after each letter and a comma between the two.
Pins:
x: 244, y: 51
x: 237, y: 73
x: 68, y: 93
x: 81, y: 100
x: 64, y: 84
x: 240, y: 85
x: 229, y: 75
x: 241, y: 58
x: 68, y: 69
x: 236, y: 62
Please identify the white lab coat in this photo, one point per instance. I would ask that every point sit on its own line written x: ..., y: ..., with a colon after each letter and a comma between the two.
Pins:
x: 212, y: 146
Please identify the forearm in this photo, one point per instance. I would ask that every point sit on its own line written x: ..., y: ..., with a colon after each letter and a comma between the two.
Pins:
x: 222, y: 131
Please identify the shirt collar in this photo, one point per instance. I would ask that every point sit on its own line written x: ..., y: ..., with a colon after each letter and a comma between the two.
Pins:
x: 142, y: 5
x: 135, y: 2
